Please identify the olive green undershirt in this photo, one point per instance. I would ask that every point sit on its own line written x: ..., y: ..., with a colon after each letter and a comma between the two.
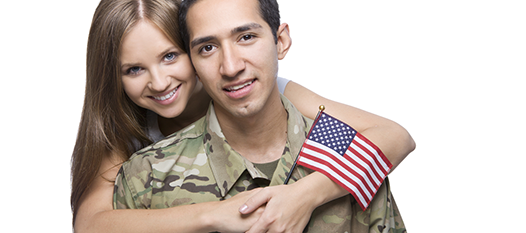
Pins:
x: 267, y: 168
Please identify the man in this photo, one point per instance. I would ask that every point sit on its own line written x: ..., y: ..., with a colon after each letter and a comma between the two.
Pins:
x: 250, y: 135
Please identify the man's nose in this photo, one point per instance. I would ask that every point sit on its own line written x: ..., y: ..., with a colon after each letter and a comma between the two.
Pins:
x: 232, y: 63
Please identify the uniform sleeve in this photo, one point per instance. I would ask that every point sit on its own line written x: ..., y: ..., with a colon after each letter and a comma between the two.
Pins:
x: 122, y: 195
x: 282, y: 83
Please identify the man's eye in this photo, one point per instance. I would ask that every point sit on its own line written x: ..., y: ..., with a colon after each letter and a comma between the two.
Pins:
x: 247, y: 37
x: 208, y: 48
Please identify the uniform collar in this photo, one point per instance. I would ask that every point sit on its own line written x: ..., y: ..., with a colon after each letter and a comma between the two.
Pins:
x: 228, y: 165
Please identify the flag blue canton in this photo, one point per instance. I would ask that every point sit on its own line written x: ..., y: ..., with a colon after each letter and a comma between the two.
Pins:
x: 332, y: 133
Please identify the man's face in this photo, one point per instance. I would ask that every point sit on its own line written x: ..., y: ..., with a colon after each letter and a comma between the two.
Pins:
x: 235, y: 54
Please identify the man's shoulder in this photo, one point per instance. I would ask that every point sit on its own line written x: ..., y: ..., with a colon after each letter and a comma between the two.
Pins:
x: 187, y: 139
x: 137, y: 181
x: 295, y: 117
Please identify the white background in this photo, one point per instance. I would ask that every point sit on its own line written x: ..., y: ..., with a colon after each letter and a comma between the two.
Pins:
x: 451, y: 72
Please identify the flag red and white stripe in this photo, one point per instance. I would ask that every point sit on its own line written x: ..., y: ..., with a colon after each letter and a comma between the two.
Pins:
x: 347, y: 157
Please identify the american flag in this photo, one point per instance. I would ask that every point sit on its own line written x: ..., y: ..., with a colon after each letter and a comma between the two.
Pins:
x: 347, y: 157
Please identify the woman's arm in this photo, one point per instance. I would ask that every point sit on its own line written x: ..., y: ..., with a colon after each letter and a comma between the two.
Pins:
x: 394, y: 141
x: 284, y: 215
x: 96, y: 212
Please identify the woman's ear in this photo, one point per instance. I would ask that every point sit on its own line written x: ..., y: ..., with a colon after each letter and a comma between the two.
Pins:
x: 284, y: 40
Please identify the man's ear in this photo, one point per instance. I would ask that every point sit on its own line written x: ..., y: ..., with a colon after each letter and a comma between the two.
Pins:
x: 284, y: 40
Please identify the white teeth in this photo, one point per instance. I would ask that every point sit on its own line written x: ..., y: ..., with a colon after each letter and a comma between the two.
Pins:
x: 167, y: 96
x: 235, y: 88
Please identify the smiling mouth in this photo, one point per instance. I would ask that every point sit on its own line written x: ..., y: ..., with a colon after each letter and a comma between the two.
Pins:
x: 239, y: 87
x: 167, y: 96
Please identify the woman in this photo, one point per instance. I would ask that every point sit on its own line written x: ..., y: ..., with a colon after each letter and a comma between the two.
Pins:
x: 126, y: 93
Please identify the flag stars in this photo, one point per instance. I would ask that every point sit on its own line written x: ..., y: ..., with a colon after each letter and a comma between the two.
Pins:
x: 332, y: 133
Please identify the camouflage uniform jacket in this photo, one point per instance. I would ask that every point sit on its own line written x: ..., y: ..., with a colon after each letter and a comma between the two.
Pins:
x: 197, y: 165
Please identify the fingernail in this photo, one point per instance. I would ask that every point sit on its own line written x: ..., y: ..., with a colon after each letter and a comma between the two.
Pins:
x: 243, y: 208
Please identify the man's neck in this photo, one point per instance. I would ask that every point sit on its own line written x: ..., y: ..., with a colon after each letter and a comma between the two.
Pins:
x: 259, y: 138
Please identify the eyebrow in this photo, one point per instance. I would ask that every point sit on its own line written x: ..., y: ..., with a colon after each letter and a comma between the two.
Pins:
x: 236, y: 30
x: 161, y: 54
x: 245, y: 27
x: 201, y: 40
x: 126, y: 65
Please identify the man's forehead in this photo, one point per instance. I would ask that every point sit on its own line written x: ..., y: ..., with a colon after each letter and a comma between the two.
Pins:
x: 219, y: 15
x: 214, y: 4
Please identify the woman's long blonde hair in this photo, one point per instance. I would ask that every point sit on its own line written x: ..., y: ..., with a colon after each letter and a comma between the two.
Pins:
x: 111, y: 123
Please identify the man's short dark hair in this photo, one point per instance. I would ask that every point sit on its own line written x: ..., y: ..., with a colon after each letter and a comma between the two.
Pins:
x: 268, y: 9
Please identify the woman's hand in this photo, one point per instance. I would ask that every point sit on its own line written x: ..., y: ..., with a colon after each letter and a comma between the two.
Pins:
x: 224, y: 216
x: 287, y: 209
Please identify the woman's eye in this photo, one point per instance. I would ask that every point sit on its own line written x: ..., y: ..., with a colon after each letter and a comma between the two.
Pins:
x: 133, y: 70
x: 170, y: 57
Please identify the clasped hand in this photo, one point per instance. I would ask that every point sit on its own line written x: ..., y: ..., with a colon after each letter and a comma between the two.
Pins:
x: 283, y: 208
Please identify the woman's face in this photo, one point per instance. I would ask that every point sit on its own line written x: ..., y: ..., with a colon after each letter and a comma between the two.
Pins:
x: 156, y: 74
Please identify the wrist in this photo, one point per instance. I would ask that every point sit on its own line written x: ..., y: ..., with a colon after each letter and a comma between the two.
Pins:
x: 325, y: 189
x: 203, y: 218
